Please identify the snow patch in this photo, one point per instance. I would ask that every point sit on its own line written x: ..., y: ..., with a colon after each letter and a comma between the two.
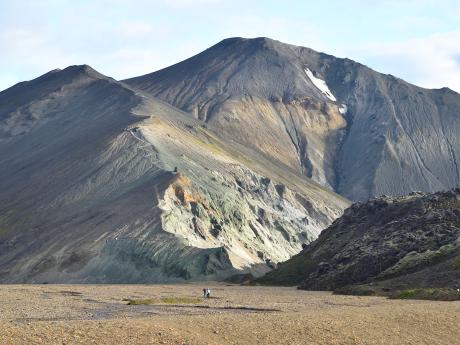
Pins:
x: 320, y: 84
x: 343, y: 109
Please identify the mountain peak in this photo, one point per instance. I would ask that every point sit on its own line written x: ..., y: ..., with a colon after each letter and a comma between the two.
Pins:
x: 54, y: 80
x: 244, y: 39
x: 83, y: 70
x: 251, y: 43
x: 261, y: 67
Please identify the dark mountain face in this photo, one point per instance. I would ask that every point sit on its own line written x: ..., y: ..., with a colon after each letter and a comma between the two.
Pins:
x: 411, y: 241
x: 344, y: 125
x: 102, y: 183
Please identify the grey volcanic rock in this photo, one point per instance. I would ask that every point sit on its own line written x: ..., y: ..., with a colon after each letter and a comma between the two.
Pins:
x: 103, y: 183
x: 411, y: 241
x: 376, y: 134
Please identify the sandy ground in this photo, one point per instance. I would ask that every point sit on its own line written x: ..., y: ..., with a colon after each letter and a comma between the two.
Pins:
x: 98, y: 314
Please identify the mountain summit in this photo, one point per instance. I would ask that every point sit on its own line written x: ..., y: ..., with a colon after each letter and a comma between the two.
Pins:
x: 357, y: 131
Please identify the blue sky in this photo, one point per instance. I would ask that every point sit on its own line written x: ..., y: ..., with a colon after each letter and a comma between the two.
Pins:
x: 416, y: 40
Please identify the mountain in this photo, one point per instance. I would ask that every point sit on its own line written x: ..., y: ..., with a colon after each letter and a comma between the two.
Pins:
x: 392, y: 242
x: 103, y: 183
x: 220, y: 165
x: 354, y: 130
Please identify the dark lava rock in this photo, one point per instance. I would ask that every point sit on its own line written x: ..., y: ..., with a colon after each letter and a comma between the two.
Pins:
x: 408, y: 241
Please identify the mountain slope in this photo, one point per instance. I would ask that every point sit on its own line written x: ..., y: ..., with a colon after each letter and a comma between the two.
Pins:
x: 411, y: 241
x: 102, y: 183
x: 336, y: 121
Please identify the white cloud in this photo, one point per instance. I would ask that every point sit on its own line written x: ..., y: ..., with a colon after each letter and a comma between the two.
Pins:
x: 125, y: 63
x: 122, y: 38
x: 286, y: 30
x: 20, y: 40
x: 27, y: 54
x: 138, y: 29
x: 431, y: 62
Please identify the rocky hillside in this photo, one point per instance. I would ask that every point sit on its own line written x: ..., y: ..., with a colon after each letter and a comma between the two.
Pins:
x: 354, y: 130
x: 103, y: 183
x: 411, y: 241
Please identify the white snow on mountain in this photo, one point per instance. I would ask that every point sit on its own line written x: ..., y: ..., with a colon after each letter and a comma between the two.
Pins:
x: 320, y: 84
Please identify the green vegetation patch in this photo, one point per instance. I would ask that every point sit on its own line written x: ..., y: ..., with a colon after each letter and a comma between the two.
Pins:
x: 406, y: 294
x: 180, y: 300
x: 456, y: 262
x: 434, y: 294
x: 414, y: 260
x: 165, y: 300
x: 355, y: 290
x: 3, y: 231
x: 141, y: 301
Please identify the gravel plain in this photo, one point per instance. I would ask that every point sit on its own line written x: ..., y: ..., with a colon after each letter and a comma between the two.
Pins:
x: 100, y: 314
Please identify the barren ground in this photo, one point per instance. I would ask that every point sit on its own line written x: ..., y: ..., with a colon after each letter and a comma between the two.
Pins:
x: 99, y: 314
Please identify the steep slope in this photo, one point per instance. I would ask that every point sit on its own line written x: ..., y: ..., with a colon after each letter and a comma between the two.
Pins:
x: 336, y: 121
x: 102, y: 183
x: 411, y: 241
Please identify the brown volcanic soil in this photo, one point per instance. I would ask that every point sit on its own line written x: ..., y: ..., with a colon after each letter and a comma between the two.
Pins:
x: 97, y: 314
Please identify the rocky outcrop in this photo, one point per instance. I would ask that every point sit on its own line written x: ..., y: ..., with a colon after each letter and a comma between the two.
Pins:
x: 411, y: 241
x: 357, y: 131
x: 102, y: 183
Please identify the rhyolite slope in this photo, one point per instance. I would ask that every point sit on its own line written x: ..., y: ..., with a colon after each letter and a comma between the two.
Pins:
x: 101, y: 183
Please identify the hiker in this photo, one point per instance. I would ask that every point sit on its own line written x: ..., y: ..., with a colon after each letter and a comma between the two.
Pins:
x: 206, y: 293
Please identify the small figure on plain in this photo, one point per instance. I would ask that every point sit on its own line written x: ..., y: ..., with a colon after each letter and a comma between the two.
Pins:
x: 206, y: 293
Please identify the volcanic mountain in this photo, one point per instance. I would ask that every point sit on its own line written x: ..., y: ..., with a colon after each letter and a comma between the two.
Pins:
x: 103, y: 183
x: 223, y: 164
x: 354, y: 130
